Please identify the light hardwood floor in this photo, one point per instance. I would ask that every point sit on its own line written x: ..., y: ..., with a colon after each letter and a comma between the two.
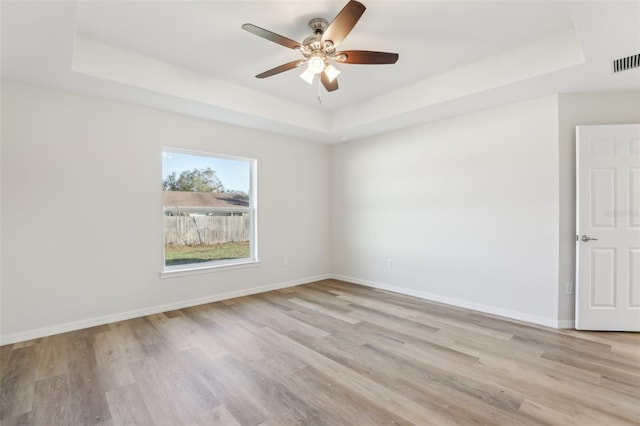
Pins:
x: 328, y: 353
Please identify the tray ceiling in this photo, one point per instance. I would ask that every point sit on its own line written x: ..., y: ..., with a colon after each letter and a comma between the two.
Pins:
x: 193, y: 57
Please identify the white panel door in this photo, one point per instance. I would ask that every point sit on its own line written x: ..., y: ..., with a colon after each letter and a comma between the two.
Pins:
x: 608, y: 227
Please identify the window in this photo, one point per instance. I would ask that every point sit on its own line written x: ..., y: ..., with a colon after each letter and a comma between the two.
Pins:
x: 209, y: 210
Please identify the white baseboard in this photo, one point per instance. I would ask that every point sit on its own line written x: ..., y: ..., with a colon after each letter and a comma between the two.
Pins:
x: 106, y: 319
x: 515, y: 315
x: 566, y: 324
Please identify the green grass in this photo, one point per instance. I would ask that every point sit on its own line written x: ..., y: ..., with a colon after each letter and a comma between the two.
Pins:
x: 181, y: 255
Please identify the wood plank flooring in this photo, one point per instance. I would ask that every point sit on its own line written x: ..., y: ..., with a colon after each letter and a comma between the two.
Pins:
x: 327, y: 353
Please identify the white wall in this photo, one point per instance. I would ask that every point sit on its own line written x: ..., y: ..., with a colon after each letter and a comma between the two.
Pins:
x: 81, y: 210
x: 477, y: 210
x: 576, y: 110
x: 466, y: 209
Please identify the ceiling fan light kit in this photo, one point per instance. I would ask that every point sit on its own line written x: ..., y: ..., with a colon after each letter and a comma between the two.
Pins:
x: 316, y: 63
x: 331, y: 72
x: 319, y: 49
x: 307, y: 76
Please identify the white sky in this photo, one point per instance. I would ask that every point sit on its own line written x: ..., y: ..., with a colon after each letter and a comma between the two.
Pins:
x: 234, y: 174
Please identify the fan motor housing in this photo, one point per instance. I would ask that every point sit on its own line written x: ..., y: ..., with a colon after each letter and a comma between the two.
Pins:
x: 314, y: 43
x: 318, y: 25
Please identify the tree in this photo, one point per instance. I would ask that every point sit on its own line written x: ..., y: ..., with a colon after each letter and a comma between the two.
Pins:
x: 196, y: 180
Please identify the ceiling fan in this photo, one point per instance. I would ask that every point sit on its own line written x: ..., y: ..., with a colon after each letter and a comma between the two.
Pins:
x: 319, y: 50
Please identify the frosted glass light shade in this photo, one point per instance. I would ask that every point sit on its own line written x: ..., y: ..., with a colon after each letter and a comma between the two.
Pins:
x: 316, y: 64
x: 307, y: 76
x: 331, y: 72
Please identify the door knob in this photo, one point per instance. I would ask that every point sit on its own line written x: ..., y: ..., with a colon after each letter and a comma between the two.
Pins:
x: 586, y: 238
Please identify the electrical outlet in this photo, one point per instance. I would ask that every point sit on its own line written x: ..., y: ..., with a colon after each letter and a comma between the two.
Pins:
x: 389, y: 264
x: 285, y: 261
x: 568, y: 288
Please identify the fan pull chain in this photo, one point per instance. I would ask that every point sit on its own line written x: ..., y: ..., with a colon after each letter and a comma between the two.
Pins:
x: 319, y: 92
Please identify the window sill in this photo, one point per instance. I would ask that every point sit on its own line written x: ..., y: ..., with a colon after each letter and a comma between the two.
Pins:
x: 171, y: 273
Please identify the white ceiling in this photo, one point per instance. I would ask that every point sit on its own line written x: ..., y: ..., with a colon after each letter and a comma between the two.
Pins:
x: 193, y: 57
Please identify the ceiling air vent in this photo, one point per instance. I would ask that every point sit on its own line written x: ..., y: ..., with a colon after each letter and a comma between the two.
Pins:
x: 627, y: 63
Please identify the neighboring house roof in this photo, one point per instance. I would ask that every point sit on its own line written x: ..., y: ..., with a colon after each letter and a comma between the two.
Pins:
x: 204, y: 199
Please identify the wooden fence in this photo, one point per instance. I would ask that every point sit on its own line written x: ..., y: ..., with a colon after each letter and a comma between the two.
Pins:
x: 197, y: 230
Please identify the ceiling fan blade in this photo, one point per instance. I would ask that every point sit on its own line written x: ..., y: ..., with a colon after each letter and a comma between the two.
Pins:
x: 329, y: 85
x: 276, y: 38
x: 344, y: 22
x: 366, y: 57
x: 282, y: 68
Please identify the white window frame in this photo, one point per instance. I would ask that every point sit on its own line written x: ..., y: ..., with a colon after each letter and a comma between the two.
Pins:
x: 218, y: 265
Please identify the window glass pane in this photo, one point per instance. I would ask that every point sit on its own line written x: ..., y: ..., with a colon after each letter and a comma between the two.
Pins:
x: 208, y: 209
